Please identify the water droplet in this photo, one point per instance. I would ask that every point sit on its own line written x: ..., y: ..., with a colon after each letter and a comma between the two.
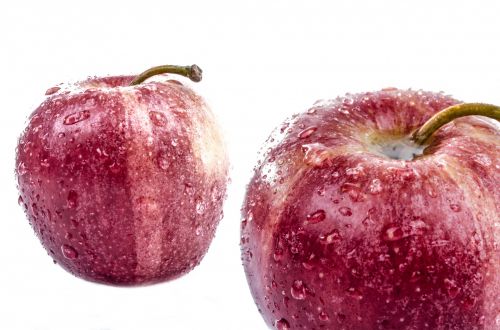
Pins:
x: 61, y: 135
x: 158, y: 118
x: 418, y: 227
x: 439, y: 242
x: 69, y: 252
x: 45, y: 163
x: 354, y: 293
x: 375, y: 186
x: 114, y: 168
x: 331, y: 237
x: 393, y: 234
x: 307, y: 132
x: 163, y: 161
x: 282, y: 324
x: 52, y: 90
x: 455, y: 207
x: 20, y: 201
x: 68, y: 236
x: 353, y: 190
x: 72, y: 199
x: 249, y: 254
x: 316, y: 217
x: 21, y: 169
x: 200, y: 207
x: 348, y: 100
x: 452, y: 288
x: 278, y: 254
x: 323, y: 316
x: 317, y: 154
x: 308, y: 265
x: 432, y: 193
x: 198, y: 230
x: 76, y: 117
x: 415, y: 276
x: 298, y: 290
x: 345, y: 211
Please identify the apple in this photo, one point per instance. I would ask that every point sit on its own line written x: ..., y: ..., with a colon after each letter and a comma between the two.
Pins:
x: 122, y: 179
x: 359, y: 217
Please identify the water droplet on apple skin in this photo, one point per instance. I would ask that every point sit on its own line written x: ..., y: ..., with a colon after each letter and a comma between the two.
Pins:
x: 345, y: 211
x: 298, y: 290
x: 52, y: 90
x: 21, y: 169
x: 307, y: 132
x: 158, y: 118
x: 282, y: 324
x: 163, y: 160
x: 375, y: 187
x: 76, y: 117
x: 69, y: 252
x: 200, y: 206
x: 393, y: 233
x: 455, y: 207
x: 323, y: 316
x: 315, y: 217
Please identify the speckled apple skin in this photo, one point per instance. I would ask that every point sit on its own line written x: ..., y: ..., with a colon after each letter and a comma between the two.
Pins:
x: 337, y: 236
x: 123, y: 185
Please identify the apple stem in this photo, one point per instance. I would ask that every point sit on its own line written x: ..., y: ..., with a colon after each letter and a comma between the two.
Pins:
x: 192, y: 72
x: 445, y: 116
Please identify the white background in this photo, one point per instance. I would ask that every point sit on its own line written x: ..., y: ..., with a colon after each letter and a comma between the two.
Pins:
x: 262, y: 61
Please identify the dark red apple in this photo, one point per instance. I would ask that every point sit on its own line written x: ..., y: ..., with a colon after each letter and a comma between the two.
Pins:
x: 123, y: 181
x: 353, y: 221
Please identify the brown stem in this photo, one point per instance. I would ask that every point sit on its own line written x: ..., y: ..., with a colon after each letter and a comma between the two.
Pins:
x: 447, y: 115
x: 193, y: 72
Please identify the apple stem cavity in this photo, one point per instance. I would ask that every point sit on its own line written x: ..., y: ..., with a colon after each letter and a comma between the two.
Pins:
x: 192, y: 72
x: 443, y: 117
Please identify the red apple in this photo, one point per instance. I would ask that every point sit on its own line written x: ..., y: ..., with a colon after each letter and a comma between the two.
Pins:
x: 123, y: 181
x: 352, y: 221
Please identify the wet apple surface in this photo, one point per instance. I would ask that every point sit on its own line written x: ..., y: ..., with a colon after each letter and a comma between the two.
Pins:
x: 348, y: 224
x: 123, y: 184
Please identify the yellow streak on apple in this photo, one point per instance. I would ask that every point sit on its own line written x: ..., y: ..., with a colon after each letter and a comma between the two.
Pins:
x: 148, y: 238
x: 208, y: 144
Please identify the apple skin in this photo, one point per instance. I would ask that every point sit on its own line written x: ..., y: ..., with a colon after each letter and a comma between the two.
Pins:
x: 124, y: 185
x: 336, y: 235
